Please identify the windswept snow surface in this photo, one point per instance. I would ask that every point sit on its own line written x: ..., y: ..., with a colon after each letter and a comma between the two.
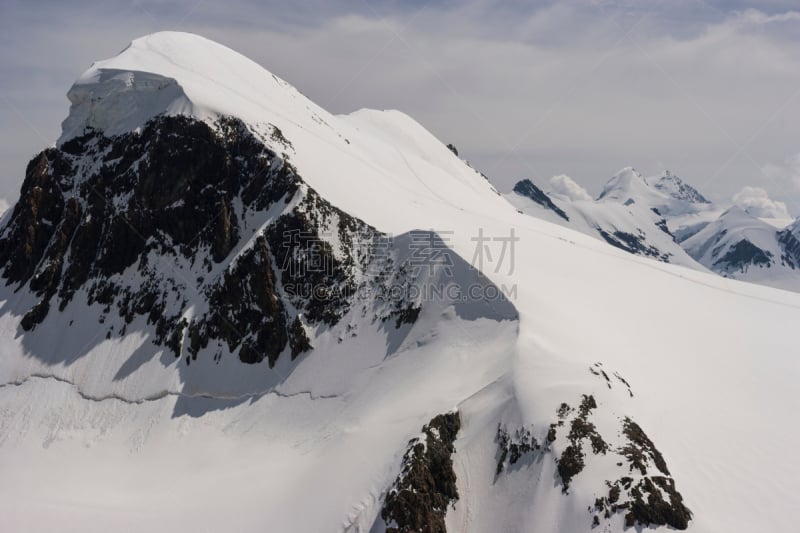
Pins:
x: 712, y: 362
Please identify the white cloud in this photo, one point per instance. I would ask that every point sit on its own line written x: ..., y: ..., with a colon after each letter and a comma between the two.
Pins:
x: 566, y: 186
x: 757, y: 202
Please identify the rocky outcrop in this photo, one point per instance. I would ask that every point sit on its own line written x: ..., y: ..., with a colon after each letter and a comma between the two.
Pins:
x: 644, y: 493
x: 527, y: 189
x: 155, y: 224
x: 259, y: 329
x: 419, y: 498
x: 634, y: 244
x: 790, y: 245
x: 571, y: 462
x: 741, y: 256
x: 650, y: 499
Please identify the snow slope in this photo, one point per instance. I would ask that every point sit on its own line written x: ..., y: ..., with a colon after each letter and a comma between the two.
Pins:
x: 710, y: 361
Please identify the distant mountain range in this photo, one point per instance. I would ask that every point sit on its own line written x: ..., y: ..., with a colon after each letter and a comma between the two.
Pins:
x: 667, y: 219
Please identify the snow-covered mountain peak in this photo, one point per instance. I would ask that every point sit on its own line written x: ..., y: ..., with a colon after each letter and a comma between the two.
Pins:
x: 738, y: 244
x: 626, y: 186
x: 674, y: 186
x: 182, y: 74
x: 666, y: 193
x: 175, y: 73
x: 735, y: 215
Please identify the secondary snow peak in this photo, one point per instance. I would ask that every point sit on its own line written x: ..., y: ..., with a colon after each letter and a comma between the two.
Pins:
x: 674, y: 186
x: 627, y: 184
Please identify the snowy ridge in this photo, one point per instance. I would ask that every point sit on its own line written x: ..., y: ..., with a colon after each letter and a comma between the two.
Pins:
x: 172, y: 73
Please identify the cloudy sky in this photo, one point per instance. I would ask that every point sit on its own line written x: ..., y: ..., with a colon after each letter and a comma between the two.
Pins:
x: 708, y: 89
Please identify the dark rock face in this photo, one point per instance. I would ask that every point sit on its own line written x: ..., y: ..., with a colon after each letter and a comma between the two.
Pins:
x: 527, y: 189
x: 791, y: 248
x: 643, y: 500
x: 41, y: 204
x: 662, y: 224
x: 514, y: 447
x: 426, y: 486
x: 640, y: 450
x: 634, y: 244
x: 148, y: 223
x: 571, y: 462
x: 298, y: 340
x: 651, y: 499
x: 405, y: 315
x: 316, y: 281
x: 741, y: 256
x: 260, y: 327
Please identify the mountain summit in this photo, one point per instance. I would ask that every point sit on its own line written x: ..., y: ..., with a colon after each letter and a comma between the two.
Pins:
x: 174, y: 73
x: 226, y: 306
x: 675, y: 187
x: 625, y: 186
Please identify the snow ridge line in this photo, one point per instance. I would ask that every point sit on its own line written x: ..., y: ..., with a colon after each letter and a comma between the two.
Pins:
x: 165, y: 394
